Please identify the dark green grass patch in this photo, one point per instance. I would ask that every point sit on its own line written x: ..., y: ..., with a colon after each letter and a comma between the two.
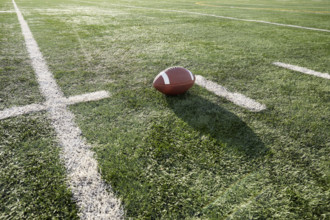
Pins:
x: 32, y: 178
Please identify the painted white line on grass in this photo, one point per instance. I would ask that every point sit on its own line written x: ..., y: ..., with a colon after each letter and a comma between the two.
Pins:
x: 302, y: 70
x: 94, y: 198
x: 87, y: 97
x: 236, y: 98
x: 16, y: 111
x: 7, y: 11
x: 22, y: 110
x: 224, y: 17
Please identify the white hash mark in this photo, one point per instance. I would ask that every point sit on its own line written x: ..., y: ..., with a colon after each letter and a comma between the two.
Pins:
x: 22, y: 110
x: 302, y: 70
x: 236, y: 98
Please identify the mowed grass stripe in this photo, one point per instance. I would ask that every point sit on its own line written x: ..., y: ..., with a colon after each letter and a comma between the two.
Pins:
x: 87, y: 186
x: 225, y: 17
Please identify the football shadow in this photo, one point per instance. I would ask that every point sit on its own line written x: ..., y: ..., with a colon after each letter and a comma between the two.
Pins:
x: 210, y: 119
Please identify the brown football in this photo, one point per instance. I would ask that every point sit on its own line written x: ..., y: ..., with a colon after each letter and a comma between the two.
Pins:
x: 174, y: 81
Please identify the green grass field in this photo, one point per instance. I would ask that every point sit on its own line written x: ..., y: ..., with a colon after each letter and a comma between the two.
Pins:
x: 193, y: 156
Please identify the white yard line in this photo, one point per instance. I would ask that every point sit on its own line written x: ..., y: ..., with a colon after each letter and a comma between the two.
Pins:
x: 224, y: 17
x: 302, y: 70
x: 236, y: 98
x: 7, y: 11
x: 94, y: 198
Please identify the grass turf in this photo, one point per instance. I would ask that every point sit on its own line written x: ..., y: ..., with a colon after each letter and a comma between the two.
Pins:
x: 32, y: 178
x: 197, y: 155
x: 16, y: 74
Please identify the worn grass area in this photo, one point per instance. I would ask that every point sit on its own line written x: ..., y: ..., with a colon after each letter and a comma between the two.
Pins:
x: 198, y: 156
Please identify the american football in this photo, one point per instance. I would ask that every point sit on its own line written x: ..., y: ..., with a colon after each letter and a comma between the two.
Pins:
x: 174, y: 81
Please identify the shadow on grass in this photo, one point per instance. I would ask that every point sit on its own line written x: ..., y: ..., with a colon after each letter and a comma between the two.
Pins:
x: 210, y: 119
